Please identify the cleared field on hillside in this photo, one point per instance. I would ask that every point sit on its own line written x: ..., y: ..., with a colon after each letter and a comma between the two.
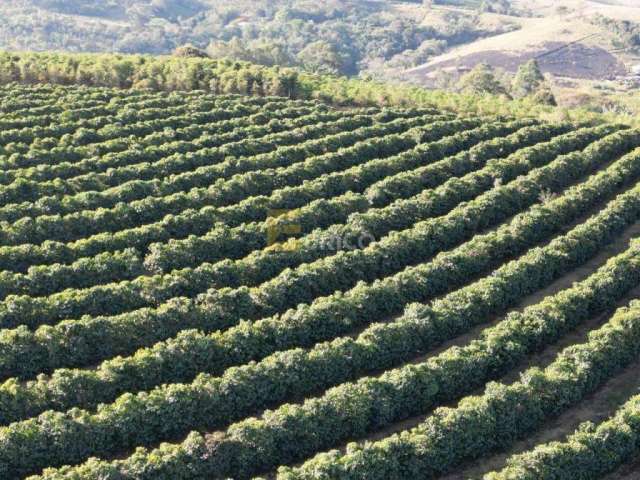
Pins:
x: 196, y: 286
x: 564, y: 37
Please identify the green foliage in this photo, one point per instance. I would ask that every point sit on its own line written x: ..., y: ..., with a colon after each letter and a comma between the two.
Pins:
x: 235, y: 77
x: 32, y: 351
x: 141, y: 223
x: 503, y: 7
x: 528, y: 79
x: 351, y: 409
x: 627, y: 32
x: 481, y: 80
x: 189, y: 350
x: 189, y: 51
x: 142, y: 419
x: 231, y: 243
x: 168, y: 195
x: 323, y: 57
x: 345, y: 37
x: 590, y: 453
x: 544, y: 96
x: 186, y: 195
x: 530, y: 82
x: 503, y: 414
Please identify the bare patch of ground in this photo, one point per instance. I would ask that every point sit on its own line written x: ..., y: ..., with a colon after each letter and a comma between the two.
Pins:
x: 590, y: 53
x: 573, y: 61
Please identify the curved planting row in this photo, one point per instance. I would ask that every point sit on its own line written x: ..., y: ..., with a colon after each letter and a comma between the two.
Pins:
x: 74, y: 107
x: 132, y: 181
x: 352, y: 410
x: 51, y: 154
x: 172, y: 410
x: 374, y: 223
x: 82, y: 109
x: 17, y: 289
x: 23, y: 189
x: 223, y: 242
x: 104, y: 268
x: 378, y: 347
x: 242, y: 186
x: 158, y: 109
x: 16, y: 100
x: 424, y: 239
x: 482, y: 424
x: 99, y: 135
x: 590, y: 453
x: 175, y: 263
x: 116, y: 298
x: 153, y: 108
x: 19, y: 101
x: 327, y: 419
x: 167, y: 159
x: 258, y: 267
x: 117, y: 152
x: 72, y: 343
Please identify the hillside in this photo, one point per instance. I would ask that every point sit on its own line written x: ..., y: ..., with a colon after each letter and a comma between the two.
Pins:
x: 339, y: 36
x: 187, y: 70
x: 588, y: 49
x: 376, y: 31
x: 201, y: 285
x: 336, y: 36
x: 592, y: 56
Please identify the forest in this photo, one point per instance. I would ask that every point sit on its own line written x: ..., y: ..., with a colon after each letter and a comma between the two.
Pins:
x: 336, y: 36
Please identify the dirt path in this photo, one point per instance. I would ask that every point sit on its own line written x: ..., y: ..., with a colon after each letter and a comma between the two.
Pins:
x: 608, y: 395
x: 630, y: 471
x: 596, y: 407
x: 548, y: 354
x: 576, y: 275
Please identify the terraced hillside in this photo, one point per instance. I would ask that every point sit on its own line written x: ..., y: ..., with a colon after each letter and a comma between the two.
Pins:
x: 198, y: 287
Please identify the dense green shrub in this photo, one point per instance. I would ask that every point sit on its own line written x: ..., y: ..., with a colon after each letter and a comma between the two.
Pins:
x: 481, y: 424
x: 378, y: 346
x: 588, y: 454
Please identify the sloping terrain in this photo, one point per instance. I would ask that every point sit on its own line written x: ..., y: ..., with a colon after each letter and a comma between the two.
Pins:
x: 333, y: 36
x: 175, y: 264
x: 564, y: 38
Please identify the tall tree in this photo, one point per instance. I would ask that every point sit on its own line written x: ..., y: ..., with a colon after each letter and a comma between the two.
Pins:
x: 496, y: 6
x: 482, y: 79
x: 528, y: 79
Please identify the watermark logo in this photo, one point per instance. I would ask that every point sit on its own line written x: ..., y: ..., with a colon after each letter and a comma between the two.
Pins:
x: 280, y: 230
x: 336, y: 243
x: 282, y: 235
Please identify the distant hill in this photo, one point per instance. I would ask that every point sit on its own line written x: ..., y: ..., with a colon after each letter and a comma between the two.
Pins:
x: 589, y: 49
x: 586, y: 48
x: 333, y: 36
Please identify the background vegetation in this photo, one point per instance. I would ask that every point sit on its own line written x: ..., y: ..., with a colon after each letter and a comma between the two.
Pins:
x: 187, y: 70
x: 334, y: 36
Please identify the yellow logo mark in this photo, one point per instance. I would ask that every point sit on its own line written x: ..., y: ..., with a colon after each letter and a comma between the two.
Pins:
x: 277, y: 229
